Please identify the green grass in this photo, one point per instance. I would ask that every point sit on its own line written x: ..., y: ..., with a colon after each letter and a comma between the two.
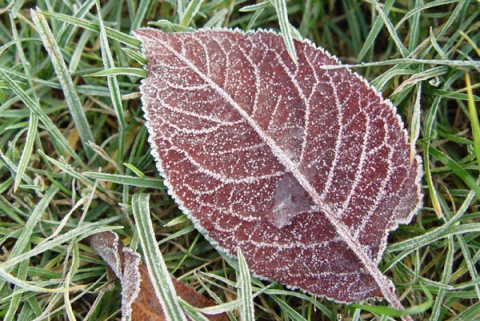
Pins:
x: 74, y: 156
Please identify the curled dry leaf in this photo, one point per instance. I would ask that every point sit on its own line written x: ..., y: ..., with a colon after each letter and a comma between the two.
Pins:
x: 305, y: 169
x: 138, y: 295
x: 124, y: 263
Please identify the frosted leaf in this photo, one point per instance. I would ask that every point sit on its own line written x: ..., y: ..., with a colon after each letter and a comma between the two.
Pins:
x: 305, y: 169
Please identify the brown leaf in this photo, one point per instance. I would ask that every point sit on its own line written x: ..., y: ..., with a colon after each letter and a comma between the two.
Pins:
x: 138, y: 295
x: 306, y: 169
x: 146, y: 308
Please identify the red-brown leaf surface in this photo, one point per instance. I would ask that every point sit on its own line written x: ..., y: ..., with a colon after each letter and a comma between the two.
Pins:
x: 305, y: 169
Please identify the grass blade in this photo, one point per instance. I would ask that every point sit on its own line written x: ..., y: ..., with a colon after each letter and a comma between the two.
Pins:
x: 139, y: 14
x: 159, y: 275
x: 24, y: 240
x: 285, y: 27
x: 27, y: 150
x: 415, y: 126
x: 391, y: 29
x: 374, y: 31
x: 244, y: 288
x: 78, y: 233
x: 127, y: 180
x: 111, y: 33
x: 65, y: 80
x: 457, y: 169
x: 190, y: 12
x: 472, y: 110
x: 64, y: 147
x: 447, y: 272
x: 112, y: 85
x: 113, y: 71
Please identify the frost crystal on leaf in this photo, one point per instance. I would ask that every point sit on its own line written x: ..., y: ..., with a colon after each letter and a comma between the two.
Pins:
x: 305, y: 169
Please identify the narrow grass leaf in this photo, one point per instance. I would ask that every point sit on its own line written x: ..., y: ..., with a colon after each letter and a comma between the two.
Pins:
x: 415, y: 125
x: 447, y: 272
x: 470, y: 41
x: 182, y: 232
x: 119, y: 71
x: 453, y: 18
x: 11, y: 211
x: 180, y: 8
x: 24, y: 239
x: 111, y: 33
x: 112, y: 85
x: 92, y: 90
x: 140, y: 14
x: 67, y: 169
x: 217, y: 20
x: 165, y: 24
x: 429, y: 121
x: 221, y: 308
x: 30, y: 286
x: 305, y: 297
x: 103, y: 154
x: 74, y: 253
x: 470, y: 313
x: 67, y: 302
x: 67, y: 31
x: 190, y: 12
x: 65, y: 80
x: 420, y: 76
x: 472, y: 110
x: 159, y: 275
x: 408, y: 61
x: 391, y: 29
x: 26, y: 65
x: 61, y: 225
x: 254, y: 18
x: 134, y: 169
x: 79, y: 51
x: 58, y: 139
x: 469, y: 261
x: 145, y: 182
x: 79, y: 233
x: 307, y: 12
x: 27, y: 149
x: 428, y: 177
x: 285, y: 28
x: 17, y: 296
x: 387, y: 311
x: 457, y: 169
x: 14, y: 169
x: 244, y: 289
x: 418, y: 9
x: 255, y: 7
x: 414, y: 29
x: 287, y: 311
x: 355, y: 22
x: 432, y: 235
x: 135, y: 55
x: 434, y: 43
x: 192, y: 312
x: 406, y: 247
x: 22, y: 242
x: 449, y: 94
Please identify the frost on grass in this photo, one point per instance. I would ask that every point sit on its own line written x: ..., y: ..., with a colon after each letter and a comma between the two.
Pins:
x: 305, y: 169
